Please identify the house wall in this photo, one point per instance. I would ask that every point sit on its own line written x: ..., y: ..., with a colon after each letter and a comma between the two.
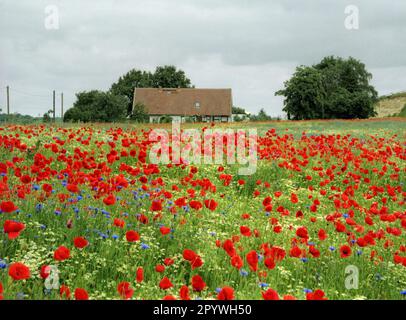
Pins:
x: 180, y: 119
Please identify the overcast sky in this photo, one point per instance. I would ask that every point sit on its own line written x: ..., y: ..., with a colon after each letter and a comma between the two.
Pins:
x: 250, y: 46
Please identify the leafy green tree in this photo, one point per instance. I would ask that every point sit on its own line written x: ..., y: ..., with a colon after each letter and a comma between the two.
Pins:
x: 97, y: 106
x: 238, y: 110
x: 163, y: 77
x: 261, y: 116
x: 139, y: 113
x: 170, y: 77
x: 126, y: 84
x: 333, y: 88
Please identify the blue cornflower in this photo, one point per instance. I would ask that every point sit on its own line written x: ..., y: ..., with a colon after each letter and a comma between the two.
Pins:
x: 39, y: 207
x: 305, y: 290
x: 304, y: 259
x: 403, y: 292
x: 243, y: 273
x: 346, y: 215
x: 331, y: 248
x: 144, y: 246
x: 3, y: 264
x: 263, y: 285
x: 218, y: 290
x: 114, y: 236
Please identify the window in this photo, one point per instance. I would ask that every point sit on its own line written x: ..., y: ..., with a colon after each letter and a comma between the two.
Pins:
x: 197, y: 105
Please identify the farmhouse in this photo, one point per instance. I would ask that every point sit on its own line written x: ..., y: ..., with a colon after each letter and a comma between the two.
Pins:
x: 183, y: 104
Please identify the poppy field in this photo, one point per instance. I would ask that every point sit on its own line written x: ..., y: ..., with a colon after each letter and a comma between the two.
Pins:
x: 85, y: 215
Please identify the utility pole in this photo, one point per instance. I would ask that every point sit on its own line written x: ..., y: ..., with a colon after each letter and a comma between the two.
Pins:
x: 62, y: 106
x: 53, y: 109
x: 8, y: 100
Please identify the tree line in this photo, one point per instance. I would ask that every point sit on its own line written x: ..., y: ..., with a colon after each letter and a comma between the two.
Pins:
x: 334, y: 88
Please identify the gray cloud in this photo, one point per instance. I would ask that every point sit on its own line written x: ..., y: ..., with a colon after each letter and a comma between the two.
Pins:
x: 251, y: 46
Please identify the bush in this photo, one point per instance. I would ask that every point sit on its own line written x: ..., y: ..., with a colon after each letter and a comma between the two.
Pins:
x: 97, y: 106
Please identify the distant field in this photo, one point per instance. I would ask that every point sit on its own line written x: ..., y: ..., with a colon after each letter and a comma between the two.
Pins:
x: 391, y: 105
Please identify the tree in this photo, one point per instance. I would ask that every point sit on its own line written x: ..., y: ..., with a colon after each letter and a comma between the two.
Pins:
x: 139, y: 113
x: 126, y: 84
x: 97, y: 106
x: 238, y: 110
x: 333, y: 88
x: 163, y: 77
x: 47, y: 116
x: 261, y: 116
x: 170, y: 77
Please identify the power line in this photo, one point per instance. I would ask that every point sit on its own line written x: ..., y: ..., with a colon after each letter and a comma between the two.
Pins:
x: 30, y: 94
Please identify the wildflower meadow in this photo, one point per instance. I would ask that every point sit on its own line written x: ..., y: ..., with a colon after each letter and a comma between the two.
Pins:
x: 85, y: 214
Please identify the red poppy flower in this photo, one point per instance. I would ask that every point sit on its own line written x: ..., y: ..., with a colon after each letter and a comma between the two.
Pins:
x: 345, y: 251
x: 237, y: 262
x: 13, y: 228
x: 168, y: 261
x: 294, y: 198
x: 210, y: 204
x: 196, y: 263
x: 156, y: 205
x: 19, y: 271
x: 109, y: 200
x: 7, y: 207
x: 125, y: 291
x: 119, y: 223
x: 80, y: 242
x: 189, y: 255
x: 64, y: 291
x: 165, y: 283
x: 302, y: 233
x: 62, y: 253
x: 72, y: 188
x: 165, y: 230
x: 44, y: 272
x: 81, y: 294
x: 159, y: 268
x: 140, y: 274
x: 295, y: 252
x: 132, y: 236
x: 228, y: 246
x: 197, y: 283
x: 184, y: 293
x: 270, y: 294
x: 227, y: 293
x: 252, y: 259
x: 316, y: 295
x: 245, y: 231
x: 269, y: 263
x: 322, y: 235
